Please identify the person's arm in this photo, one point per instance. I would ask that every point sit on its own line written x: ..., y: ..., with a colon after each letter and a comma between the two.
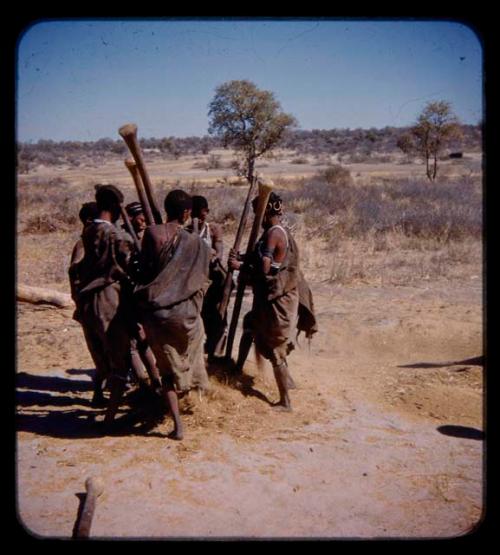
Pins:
x: 77, y: 253
x: 217, y: 243
x: 73, y: 270
x: 235, y: 260
x: 274, y: 250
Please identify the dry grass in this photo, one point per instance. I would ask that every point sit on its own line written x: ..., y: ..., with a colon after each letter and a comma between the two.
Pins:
x: 43, y: 259
x: 380, y: 230
x: 391, y: 231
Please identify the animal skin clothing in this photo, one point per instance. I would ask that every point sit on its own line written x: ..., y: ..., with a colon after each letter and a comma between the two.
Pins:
x: 170, y: 304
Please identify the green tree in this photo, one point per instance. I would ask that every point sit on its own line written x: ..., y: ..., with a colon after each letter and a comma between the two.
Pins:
x: 248, y: 119
x: 435, y: 128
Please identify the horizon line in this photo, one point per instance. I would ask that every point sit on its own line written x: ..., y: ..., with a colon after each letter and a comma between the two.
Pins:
x: 34, y: 141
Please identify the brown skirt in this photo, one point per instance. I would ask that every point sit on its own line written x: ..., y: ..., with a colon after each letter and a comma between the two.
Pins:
x: 105, y: 321
x: 176, y: 336
x: 272, y: 324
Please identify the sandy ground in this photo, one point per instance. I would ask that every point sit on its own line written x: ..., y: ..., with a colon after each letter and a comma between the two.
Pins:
x: 385, y: 440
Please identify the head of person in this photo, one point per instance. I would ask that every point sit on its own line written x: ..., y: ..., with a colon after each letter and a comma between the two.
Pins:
x: 274, y: 209
x: 88, y: 212
x: 109, y: 199
x: 200, y: 208
x: 178, y: 205
x: 136, y: 214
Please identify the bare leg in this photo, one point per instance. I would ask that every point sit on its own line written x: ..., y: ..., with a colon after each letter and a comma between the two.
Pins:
x: 289, y: 380
x: 98, y: 399
x: 146, y: 356
x: 138, y: 368
x: 170, y: 396
x: 117, y: 390
x: 281, y: 375
x: 101, y: 368
x: 149, y: 362
x: 244, y: 348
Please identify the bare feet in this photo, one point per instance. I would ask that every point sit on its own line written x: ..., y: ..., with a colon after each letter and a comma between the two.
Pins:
x: 282, y: 407
x: 177, y: 435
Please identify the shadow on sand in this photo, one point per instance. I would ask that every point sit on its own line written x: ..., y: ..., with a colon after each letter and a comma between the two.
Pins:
x: 54, y: 383
x: 463, y: 432
x: 474, y: 361
x: 43, y: 411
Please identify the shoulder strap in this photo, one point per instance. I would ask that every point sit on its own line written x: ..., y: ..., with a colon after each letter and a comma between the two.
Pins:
x: 282, y: 229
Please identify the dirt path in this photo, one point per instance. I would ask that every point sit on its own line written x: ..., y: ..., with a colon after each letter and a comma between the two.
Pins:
x: 385, y: 439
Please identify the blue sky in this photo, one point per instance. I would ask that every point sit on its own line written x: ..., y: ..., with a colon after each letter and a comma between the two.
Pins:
x: 82, y: 79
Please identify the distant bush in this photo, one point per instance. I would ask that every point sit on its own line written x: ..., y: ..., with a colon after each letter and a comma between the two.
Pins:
x: 399, y: 230
x: 64, y: 218
x: 48, y: 207
x: 41, y: 223
x: 316, y: 142
x: 213, y: 162
x: 322, y: 160
x: 299, y: 160
x: 359, y: 157
x: 445, y: 211
x: 24, y: 166
x: 381, y: 158
x: 335, y: 174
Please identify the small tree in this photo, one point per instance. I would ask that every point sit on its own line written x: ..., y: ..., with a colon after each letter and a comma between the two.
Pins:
x: 248, y: 119
x: 436, y: 127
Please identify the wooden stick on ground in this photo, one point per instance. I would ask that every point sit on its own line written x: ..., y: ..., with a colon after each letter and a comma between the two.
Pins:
x: 35, y: 295
x: 94, y: 487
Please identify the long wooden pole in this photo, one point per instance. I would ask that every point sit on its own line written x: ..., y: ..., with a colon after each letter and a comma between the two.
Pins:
x: 129, y: 135
x: 134, y: 172
x: 264, y: 192
x: 237, y: 241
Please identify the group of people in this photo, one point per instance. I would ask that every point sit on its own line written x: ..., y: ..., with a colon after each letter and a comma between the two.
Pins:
x: 148, y: 305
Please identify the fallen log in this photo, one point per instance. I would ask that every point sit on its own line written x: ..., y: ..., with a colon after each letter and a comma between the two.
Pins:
x: 36, y: 295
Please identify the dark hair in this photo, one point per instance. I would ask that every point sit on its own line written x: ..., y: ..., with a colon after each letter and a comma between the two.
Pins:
x: 176, y: 202
x: 199, y: 203
x: 134, y: 208
x: 108, y: 197
x: 88, y: 211
x: 274, y: 205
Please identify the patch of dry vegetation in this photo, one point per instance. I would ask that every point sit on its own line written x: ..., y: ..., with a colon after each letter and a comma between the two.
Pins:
x: 393, y: 232
x: 378, y: 231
